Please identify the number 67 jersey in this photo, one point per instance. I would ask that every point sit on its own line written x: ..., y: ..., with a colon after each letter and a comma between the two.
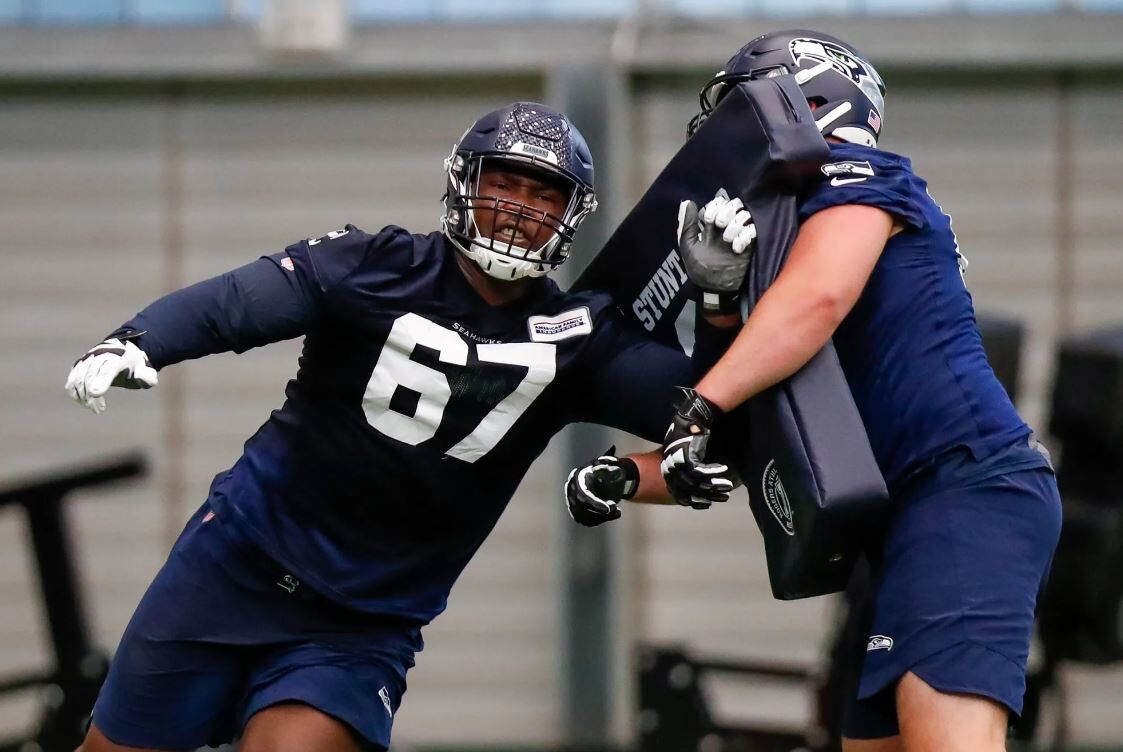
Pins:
x: 416, y: 410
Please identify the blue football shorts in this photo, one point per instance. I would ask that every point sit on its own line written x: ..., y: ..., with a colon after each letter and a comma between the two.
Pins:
x: 956, y: 586
x: 223, y: 632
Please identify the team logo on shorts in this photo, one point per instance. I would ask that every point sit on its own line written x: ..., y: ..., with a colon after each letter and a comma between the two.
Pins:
x: 288, y: 583
x: 382, y: 693
x: 879, y: 642
x: 776, y: 498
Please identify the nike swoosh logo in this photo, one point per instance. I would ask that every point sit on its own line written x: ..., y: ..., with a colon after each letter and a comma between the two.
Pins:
x: 845, y: 181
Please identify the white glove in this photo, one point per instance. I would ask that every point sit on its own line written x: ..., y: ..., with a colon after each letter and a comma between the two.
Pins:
x: 112, y: 363
x: 731, y: 216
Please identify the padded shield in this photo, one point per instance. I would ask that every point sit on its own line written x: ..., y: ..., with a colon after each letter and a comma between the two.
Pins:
x: 760, y: 141
x: 814, y: 487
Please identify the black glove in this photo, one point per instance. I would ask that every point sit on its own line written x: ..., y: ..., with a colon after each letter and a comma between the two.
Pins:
x: 691, y: 481
x: 715, y: 244
x: 594, y: 490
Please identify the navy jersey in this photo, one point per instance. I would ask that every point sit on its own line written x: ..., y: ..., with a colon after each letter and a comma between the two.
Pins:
x: 417, y: 407
x: 910, y: 348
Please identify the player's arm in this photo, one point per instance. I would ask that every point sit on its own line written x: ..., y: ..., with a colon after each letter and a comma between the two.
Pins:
x: 253, y: 305
x: 651, y: 488
x: 830, y: 263
x: 632, y: 379
x: 593, y: 491
x: 831, y: 260
x: 261, y: 302
x: 275, y: 298
x: 631, y: 388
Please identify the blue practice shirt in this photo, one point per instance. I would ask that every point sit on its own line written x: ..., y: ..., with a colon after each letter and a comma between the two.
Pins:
x: 417, y: 408
x: 910, y: 348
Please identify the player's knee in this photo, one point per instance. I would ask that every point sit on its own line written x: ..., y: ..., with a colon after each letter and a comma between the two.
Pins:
x: 935, y: 721
x: 295, y: 727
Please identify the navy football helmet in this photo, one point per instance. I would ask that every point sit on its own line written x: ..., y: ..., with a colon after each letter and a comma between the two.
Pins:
x: 848, y: 94
x: 530, y: 138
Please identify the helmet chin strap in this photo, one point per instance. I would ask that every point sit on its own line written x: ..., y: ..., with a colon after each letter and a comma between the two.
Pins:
x: 503, y: 249
x: 494, y: 259
x: 855, y: 135
x: 832, y: 116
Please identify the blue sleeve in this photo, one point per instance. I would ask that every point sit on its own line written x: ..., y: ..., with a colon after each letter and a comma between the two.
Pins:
x: 329, y: 262
x: 859, y: 175
x: 631, y: 379
x: 632, y: 376
x: 262, y: 302
x: 275, y: 298
x: 710, y: 343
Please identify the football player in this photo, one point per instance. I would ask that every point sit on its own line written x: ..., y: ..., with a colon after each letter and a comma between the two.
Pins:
x: 435, y: 369
x: 976, y: 513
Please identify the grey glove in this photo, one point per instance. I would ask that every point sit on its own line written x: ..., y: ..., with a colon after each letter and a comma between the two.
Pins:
x: 715, y: 244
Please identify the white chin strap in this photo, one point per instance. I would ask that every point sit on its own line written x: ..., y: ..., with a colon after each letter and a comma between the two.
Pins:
x: 855, y: 135
x: 495, y: 264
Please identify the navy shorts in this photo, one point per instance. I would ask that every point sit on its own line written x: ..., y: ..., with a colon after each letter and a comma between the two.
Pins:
x: 955, y: 591
x: 224, y: 632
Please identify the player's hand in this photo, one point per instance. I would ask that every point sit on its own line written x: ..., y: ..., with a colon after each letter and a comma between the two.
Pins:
x: 691, y: 480
x: 112, y: 363
x: 716, y: 245
x: 593, y: 491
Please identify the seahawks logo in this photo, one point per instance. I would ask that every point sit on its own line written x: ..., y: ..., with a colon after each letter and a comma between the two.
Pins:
x: 847, y: 168
x: 842, y: 60
x: 879, y: 642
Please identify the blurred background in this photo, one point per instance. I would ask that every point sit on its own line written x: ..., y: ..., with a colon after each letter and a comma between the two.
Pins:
x: 146, y: 144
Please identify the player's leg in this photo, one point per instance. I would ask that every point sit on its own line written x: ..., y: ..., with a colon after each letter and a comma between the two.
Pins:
x: 934, y: 721
x: 338, y: 693
x: 296, y: 727
x: 179, y: 672
x: 165, y: 695
x: 956, y: 594
x: 870, y: 725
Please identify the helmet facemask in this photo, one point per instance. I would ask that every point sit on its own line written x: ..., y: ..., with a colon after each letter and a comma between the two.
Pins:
x: 507, y: 238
